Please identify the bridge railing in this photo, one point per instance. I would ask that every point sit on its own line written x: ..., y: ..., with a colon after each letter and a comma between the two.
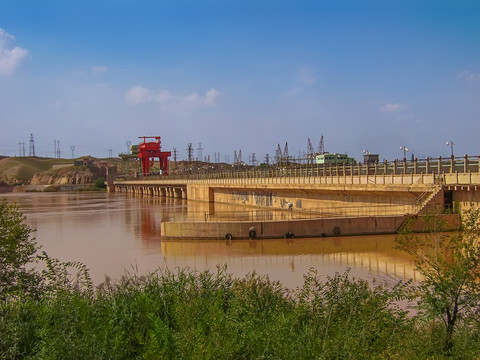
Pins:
x: 465, y: 164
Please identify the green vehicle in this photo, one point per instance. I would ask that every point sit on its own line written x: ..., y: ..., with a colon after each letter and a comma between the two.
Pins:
x: 334, y: 159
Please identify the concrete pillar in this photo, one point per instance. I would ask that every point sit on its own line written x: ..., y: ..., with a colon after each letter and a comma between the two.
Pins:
x: 111, y: 175
x: 184, y: 193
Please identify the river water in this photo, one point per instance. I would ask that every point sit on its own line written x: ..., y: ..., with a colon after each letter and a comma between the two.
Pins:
x: 114, y: 233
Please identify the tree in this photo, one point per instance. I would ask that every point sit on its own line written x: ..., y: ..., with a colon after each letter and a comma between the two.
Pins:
x: 17, y: 250
x: 18, y: 256
x: 449, y: 264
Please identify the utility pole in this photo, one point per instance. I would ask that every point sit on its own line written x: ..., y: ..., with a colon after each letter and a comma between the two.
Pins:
x: 58, y: 149
x: 54, y: 148
x: 23, y: 149
x: 32, y: 146
x: 278, y: 154
x: 128, y: 143
x: 189, y: 152
x: 175, y: 154
x: 200, y: 152
x: 73, y: 149
x: 110, y: 151
x: 267, y: 158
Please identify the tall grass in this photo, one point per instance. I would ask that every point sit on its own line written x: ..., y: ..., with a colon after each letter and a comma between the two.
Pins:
x: 203, y: 315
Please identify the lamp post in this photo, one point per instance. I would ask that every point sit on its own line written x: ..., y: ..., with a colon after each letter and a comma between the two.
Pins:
x: 405, y: 149
x: 451, y: 143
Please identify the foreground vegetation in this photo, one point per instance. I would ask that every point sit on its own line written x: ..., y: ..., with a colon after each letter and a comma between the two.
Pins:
x: 184, y: 314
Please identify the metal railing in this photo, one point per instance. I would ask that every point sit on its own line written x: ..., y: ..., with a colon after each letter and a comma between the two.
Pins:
x: 465, y: 164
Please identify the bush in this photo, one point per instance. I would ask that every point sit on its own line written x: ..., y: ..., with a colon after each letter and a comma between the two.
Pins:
x: 18, y: 251
x: 100, y: 183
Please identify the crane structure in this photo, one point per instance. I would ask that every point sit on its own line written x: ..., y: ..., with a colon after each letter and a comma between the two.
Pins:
x: 148, y: 151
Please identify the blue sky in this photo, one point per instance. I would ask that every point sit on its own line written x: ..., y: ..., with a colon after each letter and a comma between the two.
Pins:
x: 246, y: 75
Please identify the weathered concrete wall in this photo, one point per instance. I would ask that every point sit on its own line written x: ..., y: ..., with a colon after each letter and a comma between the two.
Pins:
x: 6, y: 189
x: 466, y: 197
x: 421, y: 223
x: 277, y: 229
x: 320, y: 199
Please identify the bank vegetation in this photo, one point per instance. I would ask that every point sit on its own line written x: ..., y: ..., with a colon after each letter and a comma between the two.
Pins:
x: 185, y: 314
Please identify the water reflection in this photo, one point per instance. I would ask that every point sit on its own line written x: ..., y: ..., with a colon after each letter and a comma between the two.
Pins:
x: 114, y: 232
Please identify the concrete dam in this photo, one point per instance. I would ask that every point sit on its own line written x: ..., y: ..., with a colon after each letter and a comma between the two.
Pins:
x: 313, y: 200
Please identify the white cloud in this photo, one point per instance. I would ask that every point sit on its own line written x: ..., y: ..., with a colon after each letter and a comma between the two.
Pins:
x: 468, y: 76
x: 10, y: 56
x: 393, y: 107
x: 139, y: 95
x: 99, y: 69
x: 211, y: 97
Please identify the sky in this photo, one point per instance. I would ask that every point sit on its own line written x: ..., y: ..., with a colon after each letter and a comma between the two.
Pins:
x: 241, y: 75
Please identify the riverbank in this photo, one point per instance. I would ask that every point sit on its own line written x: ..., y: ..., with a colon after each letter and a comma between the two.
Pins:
x: 49, y: 188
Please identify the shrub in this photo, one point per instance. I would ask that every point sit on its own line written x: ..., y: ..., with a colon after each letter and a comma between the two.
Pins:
x: 100, y: 183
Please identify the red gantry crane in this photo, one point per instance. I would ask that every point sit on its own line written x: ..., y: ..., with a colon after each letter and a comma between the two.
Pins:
x: 148, y: 151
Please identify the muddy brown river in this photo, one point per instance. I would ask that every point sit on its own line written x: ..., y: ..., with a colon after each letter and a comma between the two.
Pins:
x: 114, y: 233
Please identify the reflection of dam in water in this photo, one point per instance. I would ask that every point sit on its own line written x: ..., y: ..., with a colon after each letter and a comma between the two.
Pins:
x: 366, y: 256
